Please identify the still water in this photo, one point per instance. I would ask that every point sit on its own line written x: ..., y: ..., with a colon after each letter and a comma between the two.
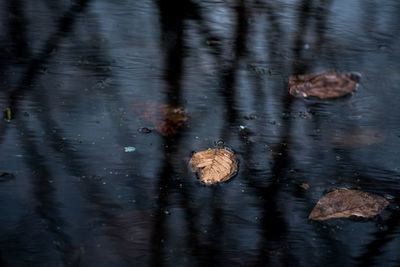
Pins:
x: 71, y: 70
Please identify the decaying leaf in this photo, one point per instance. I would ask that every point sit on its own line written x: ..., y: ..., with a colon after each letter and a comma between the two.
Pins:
x: 343, y: 203
x: 167, y: 119
x: 127, y: 233
x: 214, y: 165
x: 329, y: 84
x: 359, y: 137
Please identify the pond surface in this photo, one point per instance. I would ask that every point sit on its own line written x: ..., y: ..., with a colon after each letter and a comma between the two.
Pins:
x: 70, y: 72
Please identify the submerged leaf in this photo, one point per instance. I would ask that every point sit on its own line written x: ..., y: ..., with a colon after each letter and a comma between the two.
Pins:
x: 214, y: 165
x: 127, y: 234
x: 343, y: 203
x: 330, y: 84
x: 167, y: 119
x: 359, y: 137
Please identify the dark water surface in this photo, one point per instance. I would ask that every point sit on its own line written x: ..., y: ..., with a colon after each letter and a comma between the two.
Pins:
x: 71, y: 70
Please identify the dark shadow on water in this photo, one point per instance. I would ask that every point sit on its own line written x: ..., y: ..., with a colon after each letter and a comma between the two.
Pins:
x: 46, y: 205
x: 64, y: 26
x: 374, y: 251
x: 18, y: 29
x: 172, y: 18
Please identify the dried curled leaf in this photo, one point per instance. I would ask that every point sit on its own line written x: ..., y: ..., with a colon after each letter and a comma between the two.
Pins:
x: 343, y: 203
x: 214, y: 165
x: 329, y: 84
x: 167, y: 119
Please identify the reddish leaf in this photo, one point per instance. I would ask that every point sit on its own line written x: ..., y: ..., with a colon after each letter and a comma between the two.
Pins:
x: 344, y: 203
x: 167, y: 119
x: 330, y: 84
x: 214, y: 165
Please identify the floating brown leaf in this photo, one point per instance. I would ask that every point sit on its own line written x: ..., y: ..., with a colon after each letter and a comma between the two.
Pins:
x: 344, y: 203
x: 214, y: 165
x: 330, y: 84
x: 167, y: 119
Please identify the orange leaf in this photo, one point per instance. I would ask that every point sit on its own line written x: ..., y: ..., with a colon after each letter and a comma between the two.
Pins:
x: 214, y: 165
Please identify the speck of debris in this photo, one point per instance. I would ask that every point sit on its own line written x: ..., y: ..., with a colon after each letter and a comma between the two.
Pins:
x: 144, y: 130
x: 305, y: 186
x: 129, y: 149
